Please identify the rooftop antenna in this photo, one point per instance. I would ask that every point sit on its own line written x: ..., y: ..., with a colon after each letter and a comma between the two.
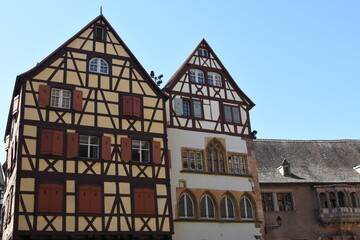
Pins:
x: 100, y: 10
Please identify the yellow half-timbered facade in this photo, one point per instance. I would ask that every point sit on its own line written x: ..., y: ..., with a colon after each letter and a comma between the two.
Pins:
x: 87, y: 146
x: 215, y: 187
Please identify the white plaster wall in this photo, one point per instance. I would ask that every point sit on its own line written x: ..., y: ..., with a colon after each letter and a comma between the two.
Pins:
x: 181, y: 138
x: 215, y: 231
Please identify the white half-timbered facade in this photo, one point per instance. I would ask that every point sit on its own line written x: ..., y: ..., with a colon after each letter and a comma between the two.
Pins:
x: 215, y: 189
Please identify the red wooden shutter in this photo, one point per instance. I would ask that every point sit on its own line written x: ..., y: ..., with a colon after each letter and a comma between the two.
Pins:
x: 57, y: 148
x: 127, y: 105
x: 95, y: 199
x: 139, y: 203
x: 126, y: 149
x: 44, y: 95
x: 149, y: 201
x: 84, y: 199
x: 56, y: 197
x: 15, y: 104
x: 77, y: 100
x: 46, y: 143
x: 106, y: 148
x: 44, y: 197
x: 137, y: 106
x: 169, y: 158
x: 72, y: 144
x: 156, y: 152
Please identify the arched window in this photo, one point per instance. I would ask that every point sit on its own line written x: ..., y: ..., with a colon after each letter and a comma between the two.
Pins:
x: 332, y: 199
x: 227, y: 208
x: 186, y: 206
x: 197, y: 76
x: 353, y: 200
x: 207, y: 207
x: 98, y: 65
x: 323, y: 201
x: 215, y: 157
x: 341, y: 199
x: 246, y: 207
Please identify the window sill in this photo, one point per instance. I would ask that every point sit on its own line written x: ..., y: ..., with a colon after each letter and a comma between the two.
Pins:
x: 216, y: 220
x: 60, y: 109
x: 216, y: 173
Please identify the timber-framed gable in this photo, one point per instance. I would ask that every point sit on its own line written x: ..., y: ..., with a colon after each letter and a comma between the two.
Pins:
x: 90, y: 127
x: 203, y: 78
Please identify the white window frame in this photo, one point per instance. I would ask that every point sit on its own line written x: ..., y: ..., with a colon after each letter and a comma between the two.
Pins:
x: 98, y: 65
x: 60, y: 100
x: 197, y: 160
x: 89, y: 145
x: 227, y: 199
x: 186, y: 196
x: 214, y: 79
x: 197, y: 76
x: 141, y: 149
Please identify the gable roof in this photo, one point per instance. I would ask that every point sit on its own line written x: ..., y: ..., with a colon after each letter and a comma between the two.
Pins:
x: 203, y: 44
x: 325, y: 161
x: 50, y: 57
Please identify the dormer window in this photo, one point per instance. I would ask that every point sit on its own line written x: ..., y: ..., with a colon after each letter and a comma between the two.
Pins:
x: 284, y: 168
x: 99, y: 65
x: 196, y: 76
x: 214, y: 79
x: 203, y: 52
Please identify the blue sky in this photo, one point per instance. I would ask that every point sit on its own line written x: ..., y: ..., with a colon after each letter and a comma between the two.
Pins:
x: 299, y: 61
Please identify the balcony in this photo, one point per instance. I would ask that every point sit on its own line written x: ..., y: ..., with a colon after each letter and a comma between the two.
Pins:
x: 340, y: 215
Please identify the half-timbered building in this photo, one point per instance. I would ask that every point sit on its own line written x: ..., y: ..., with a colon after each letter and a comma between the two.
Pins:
x: 86, y: 144
x: 215, y: 188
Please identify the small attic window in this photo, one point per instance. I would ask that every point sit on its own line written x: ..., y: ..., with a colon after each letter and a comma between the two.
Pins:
x: 284, y: 168
x: 203, y: 52
x: 99, y: 33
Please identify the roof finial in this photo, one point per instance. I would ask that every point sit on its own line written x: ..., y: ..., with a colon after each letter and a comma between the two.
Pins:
x: 100, y: 10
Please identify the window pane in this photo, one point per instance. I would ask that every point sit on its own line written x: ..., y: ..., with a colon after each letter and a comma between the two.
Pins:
x: 189, y: 207
x: 145, y: 145
x: 94, y: 140
x: 145, y: 156
x: 135, y: 155
x: 200, y: 76
x: 182, y: 206
x: 94, y: 152
x: 230, y: 163
x: 249, y: 211
x: 186, y: 109
x: 199, y: 160
x: 211, y: 79
x: 136, y: 144
x: 203, y: 208
x: 236, y: 115
x: 83, y: 151
x: 211, y: 208
x: 227, y: 111
x: 185, y: 157
x: 223, y: 208
x: 84, y: 139
x: 192, y: 75
x: 192, y: 160
x: 230, y: 206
